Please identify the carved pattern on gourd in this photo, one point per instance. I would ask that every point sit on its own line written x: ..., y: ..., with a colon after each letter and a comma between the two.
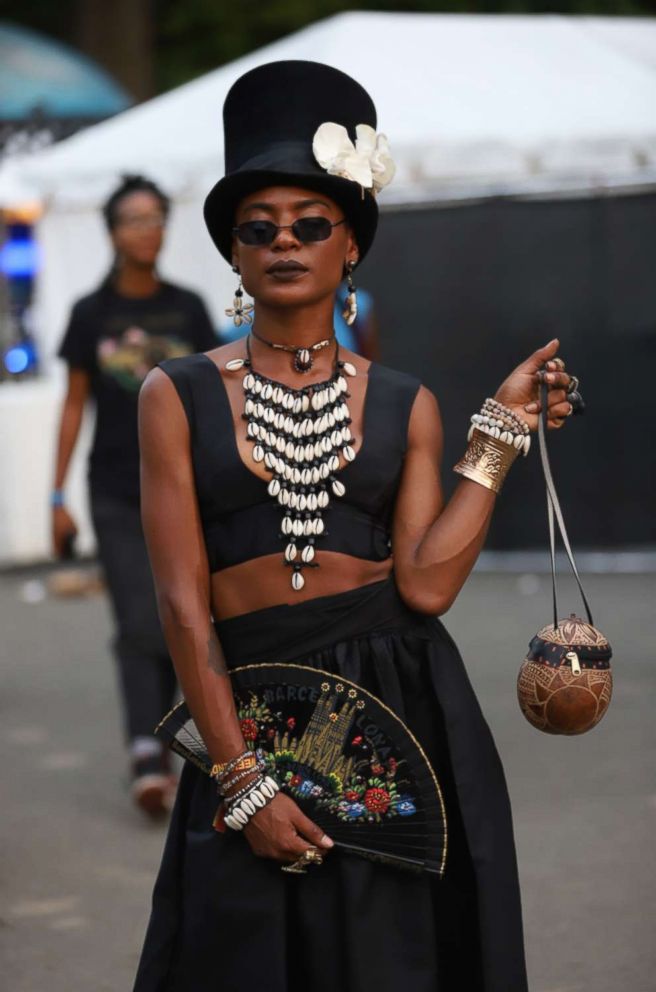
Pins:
x: 546, y: 695
x: 573, y: 631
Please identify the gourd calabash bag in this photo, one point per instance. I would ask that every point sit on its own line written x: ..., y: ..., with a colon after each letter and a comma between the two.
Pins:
x: 565, y: 683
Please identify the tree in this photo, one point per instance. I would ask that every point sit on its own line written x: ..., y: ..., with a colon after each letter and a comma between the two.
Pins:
x: 153, y: 45
x: 119, y: 39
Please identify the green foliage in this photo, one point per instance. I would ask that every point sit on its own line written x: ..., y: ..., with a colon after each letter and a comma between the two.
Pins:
x: 199, y: 35
x: 53, y: 19
x: 192, y: 37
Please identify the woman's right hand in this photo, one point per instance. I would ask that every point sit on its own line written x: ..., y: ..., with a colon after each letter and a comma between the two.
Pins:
x: 282, y: 832
x: 64, y: 529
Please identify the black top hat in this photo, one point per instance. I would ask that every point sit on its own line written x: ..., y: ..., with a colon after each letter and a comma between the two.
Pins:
x: 270, y: 116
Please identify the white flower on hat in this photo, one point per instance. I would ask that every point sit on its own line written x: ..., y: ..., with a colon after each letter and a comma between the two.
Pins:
x: 368, y: 162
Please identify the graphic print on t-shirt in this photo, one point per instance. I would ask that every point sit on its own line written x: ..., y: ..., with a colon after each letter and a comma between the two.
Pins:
x: 129, y: 358
x: 117, y: 340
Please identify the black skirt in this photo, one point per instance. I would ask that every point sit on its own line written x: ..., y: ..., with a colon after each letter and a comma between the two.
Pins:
x: 224, y: 920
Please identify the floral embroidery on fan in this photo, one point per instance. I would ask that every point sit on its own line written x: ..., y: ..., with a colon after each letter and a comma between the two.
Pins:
x: 345, y: 775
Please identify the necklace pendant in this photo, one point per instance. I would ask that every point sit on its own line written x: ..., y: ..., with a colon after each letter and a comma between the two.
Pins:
x: 303, y: 360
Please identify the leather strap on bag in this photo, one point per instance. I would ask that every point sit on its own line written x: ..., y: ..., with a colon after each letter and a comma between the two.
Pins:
x: 553, y: 507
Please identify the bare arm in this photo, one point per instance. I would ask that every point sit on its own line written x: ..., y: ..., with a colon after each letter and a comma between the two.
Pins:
x: 179, y: 562
x: 178, y: 559
x: 436, y: 544
x: 70, y: 420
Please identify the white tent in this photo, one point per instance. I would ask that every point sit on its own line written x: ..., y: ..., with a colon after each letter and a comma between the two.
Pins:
x: 452, y: 84
x: 473, y: 105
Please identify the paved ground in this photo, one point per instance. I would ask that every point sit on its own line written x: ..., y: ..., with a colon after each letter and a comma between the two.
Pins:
x: 77, y: 863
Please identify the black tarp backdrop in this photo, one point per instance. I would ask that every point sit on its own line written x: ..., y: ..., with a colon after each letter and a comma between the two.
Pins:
x: 463, y: 293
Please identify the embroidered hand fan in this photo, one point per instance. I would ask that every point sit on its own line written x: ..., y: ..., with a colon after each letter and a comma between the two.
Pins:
x: 348, y: 761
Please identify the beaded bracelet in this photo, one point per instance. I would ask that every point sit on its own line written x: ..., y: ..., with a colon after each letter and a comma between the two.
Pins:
x: 263, y: 781
x: 499, y: 421
x: 247, y: 759
x: 506, y: 415
x: 236, y: 816
x: 259, y: 795
x: 240, y: 793
x: 226, y: 783
x: 244, y: 788
x: 496, y: 436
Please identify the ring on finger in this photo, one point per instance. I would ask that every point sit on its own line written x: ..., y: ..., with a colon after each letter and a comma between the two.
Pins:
x: 573, y: 386
x: 577, y: 403
x: 311, y: 856
x: 559, y: 363
x: 295, y: 868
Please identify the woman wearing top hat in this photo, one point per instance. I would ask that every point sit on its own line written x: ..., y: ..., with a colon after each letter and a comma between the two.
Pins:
x: 262, y: 555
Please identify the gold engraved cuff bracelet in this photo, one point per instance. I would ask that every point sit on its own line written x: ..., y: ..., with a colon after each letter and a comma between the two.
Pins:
x: 486, y: 461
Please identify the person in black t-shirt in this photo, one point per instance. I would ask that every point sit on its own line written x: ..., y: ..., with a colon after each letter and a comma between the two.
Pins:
x: 114, y: 337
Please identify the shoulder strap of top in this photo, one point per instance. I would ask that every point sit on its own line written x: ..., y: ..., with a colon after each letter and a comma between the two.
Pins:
x: 390, y: 403
x: 200, y: 386
x: 177, y: 369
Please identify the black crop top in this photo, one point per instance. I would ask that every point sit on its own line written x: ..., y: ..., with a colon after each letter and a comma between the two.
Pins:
x: 240, y: 520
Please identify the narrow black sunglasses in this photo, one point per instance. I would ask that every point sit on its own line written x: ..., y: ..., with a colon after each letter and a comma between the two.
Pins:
x: 305, y: 229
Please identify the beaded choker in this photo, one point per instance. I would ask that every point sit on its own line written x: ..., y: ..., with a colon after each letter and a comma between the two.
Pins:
x: 303, y: 357
x: 299, y: 434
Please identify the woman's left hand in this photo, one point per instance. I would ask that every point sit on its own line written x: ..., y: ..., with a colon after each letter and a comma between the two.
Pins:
x: 521, y: 390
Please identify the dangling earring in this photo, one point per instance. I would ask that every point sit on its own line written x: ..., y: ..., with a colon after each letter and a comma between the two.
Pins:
x: 350, y: 311
x: 240, y: 311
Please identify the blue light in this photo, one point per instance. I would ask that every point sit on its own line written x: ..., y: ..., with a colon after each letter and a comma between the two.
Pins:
x: 18, y: 359
x: 19, y: 258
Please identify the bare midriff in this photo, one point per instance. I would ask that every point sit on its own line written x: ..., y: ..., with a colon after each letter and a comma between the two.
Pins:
x: 262, y: 582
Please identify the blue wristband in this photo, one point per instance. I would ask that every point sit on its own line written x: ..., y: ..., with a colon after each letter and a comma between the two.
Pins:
x: 57, y: 498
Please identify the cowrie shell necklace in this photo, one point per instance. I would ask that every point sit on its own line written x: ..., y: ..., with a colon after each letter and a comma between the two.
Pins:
x: 299, y: 435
